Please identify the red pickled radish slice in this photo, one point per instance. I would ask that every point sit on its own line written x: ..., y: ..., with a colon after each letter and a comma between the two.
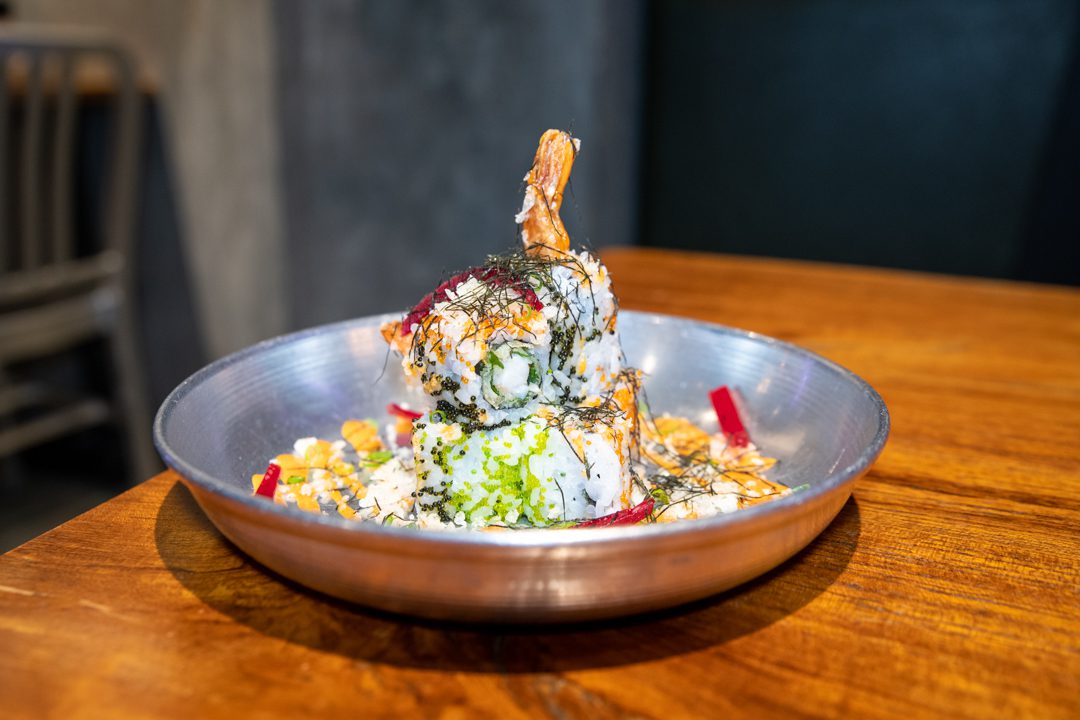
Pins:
x: 397, y: 410
x: 269, y: 481
x: 728, y: 415
x: 493, y: 276
x: 623, y: 517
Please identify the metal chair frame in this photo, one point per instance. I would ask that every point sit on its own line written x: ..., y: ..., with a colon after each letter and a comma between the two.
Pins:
x: 52, y: 299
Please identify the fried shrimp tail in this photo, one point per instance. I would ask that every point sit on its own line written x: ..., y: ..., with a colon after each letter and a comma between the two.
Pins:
x: 542, y: 230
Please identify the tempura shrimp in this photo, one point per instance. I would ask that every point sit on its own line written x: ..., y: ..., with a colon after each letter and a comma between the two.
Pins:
x: 542, y: 230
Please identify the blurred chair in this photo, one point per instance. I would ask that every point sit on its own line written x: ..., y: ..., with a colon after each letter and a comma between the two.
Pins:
x: 54, y: 294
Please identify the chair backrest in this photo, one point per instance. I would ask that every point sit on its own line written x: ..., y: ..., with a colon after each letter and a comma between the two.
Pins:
x: 44, y: 75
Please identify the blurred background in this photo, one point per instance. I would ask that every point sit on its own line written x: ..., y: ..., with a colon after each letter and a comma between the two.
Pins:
x: 182, y: 178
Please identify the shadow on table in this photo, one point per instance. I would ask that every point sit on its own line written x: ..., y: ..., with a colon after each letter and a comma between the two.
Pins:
x: 221, y: 576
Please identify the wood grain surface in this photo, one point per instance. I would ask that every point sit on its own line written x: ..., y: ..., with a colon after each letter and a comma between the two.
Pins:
x: 948, y: 586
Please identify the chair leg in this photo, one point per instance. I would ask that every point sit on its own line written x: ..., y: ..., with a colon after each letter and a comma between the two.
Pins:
x: 130, y: 383
x: 11, y: 472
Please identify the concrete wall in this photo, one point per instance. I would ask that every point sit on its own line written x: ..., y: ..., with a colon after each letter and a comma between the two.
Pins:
x: 408, y: 126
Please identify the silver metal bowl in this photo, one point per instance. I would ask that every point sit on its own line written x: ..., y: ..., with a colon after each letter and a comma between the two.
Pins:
x: 222, y: 424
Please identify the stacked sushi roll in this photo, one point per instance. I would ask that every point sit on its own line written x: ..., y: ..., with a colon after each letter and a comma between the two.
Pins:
x: 557, y: 465
x: 535, y: 417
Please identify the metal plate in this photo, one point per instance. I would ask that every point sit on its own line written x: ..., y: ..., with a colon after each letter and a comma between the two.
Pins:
x: 219, y: 426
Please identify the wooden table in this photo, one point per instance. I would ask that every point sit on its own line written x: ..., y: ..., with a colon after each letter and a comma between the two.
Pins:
x: 947, y: 586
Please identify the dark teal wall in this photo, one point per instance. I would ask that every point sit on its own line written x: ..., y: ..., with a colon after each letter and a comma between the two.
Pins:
x: 905, y: 133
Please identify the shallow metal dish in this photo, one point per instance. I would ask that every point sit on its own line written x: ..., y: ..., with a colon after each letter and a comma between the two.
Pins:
x: 219, y: 426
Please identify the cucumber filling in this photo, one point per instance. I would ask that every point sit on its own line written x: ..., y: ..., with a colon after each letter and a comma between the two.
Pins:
x: 510, y: 375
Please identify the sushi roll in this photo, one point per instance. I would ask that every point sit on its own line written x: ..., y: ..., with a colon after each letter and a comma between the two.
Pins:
x: 585, y: 356
x: 494, y: 343
x: 535, y: 419
x: 480, y: 349
x: 558, y: 465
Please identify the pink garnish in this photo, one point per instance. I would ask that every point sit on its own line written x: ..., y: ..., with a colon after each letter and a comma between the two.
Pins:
x: 397, y: 410
x: 623, y: 517
x: 269, y: 481
x: 728, y: 415
x: 496, y: 277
